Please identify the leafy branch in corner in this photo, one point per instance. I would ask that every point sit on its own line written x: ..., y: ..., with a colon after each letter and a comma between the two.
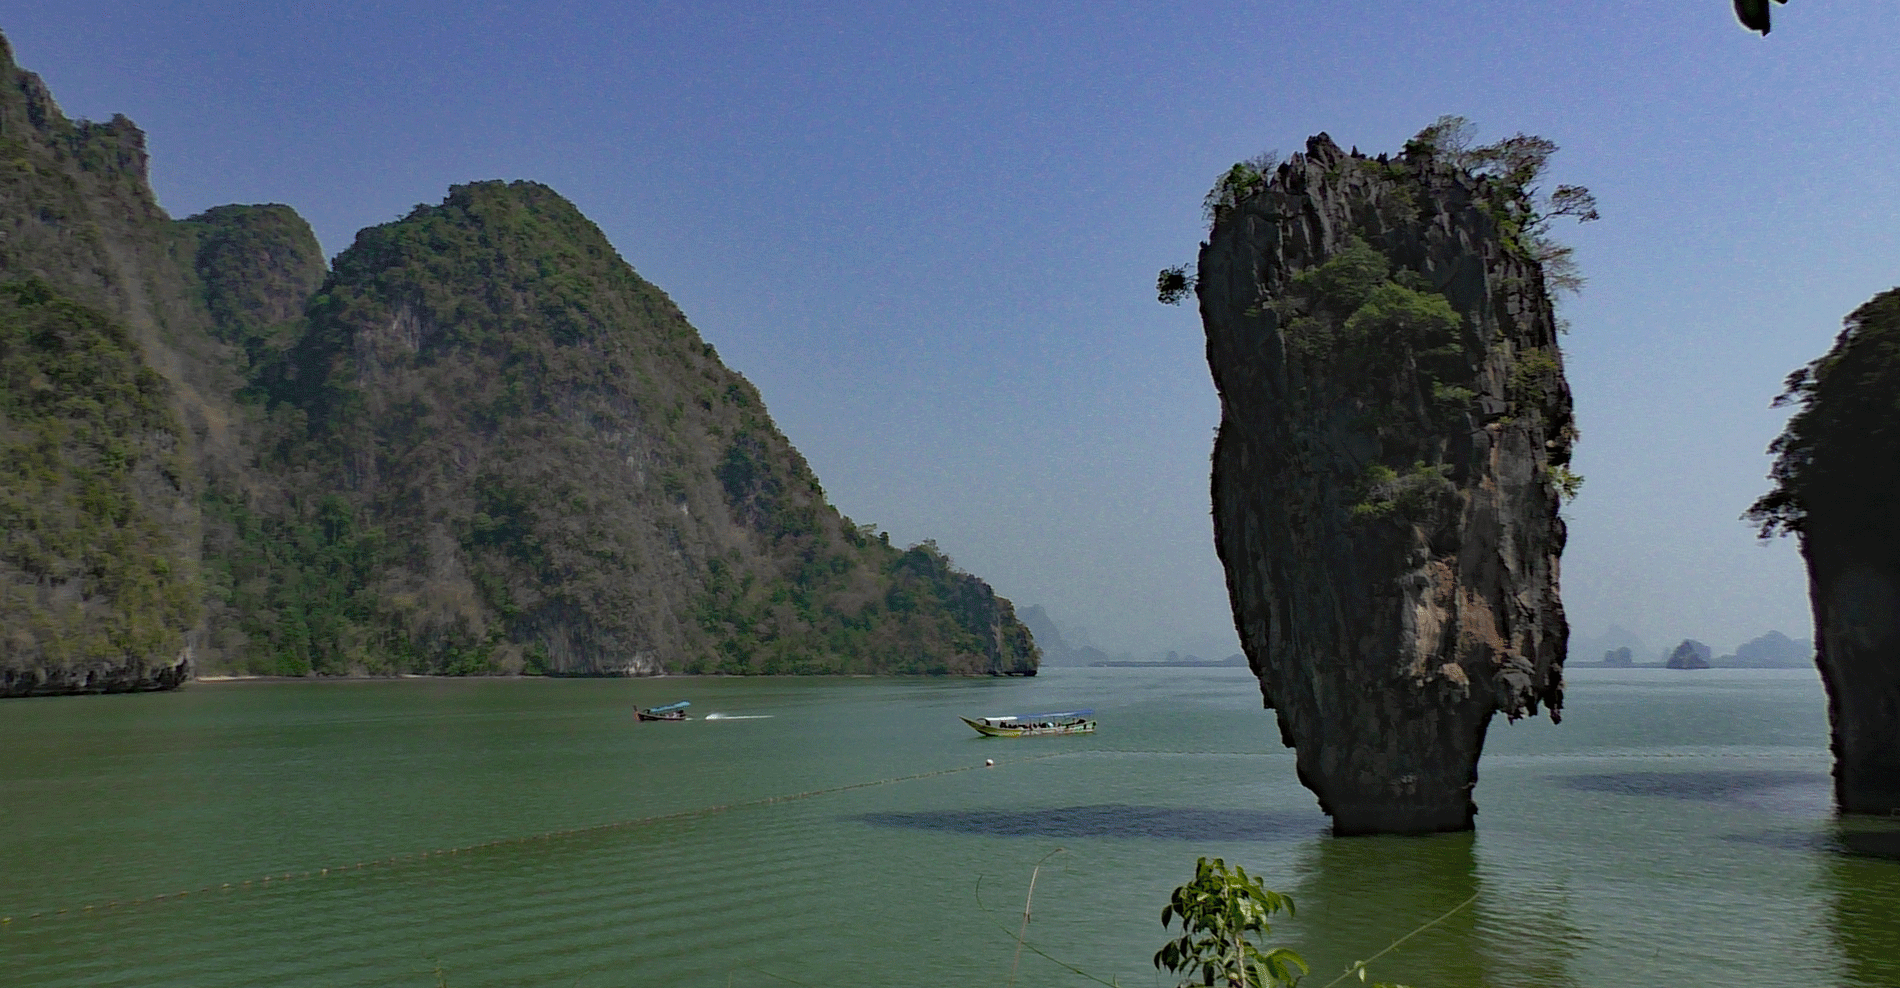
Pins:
x: 1222, y: 912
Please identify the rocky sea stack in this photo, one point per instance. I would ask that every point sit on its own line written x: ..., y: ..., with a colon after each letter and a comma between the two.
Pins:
x: 1837, y: 487
x: 478, y: 444
x: 1395, y: 429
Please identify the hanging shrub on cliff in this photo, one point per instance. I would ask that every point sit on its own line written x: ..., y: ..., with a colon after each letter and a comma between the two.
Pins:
x: 1841, y: 444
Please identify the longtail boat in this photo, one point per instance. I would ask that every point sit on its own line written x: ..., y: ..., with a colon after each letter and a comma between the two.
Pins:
x: 672, y: 711
x: 1024, y: 725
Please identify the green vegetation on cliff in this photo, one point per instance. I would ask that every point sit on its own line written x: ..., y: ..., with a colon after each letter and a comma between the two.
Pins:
x: 1836, y: 487
x: 1369, y: 318
x: 256, y: 267
x: 97, y: 569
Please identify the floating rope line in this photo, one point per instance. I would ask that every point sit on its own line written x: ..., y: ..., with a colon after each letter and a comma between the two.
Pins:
x: 1567, y: 756
x: 7, y: 922
x: 1283, y: 753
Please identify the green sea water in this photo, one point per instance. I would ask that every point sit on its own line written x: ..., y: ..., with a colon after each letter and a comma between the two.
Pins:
x: 1674, y: 830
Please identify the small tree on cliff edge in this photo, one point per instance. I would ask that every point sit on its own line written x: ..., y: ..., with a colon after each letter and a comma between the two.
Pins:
x: 1523, y: 212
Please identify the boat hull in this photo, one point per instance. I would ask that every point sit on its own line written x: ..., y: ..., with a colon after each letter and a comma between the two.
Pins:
x: 1028, y: 730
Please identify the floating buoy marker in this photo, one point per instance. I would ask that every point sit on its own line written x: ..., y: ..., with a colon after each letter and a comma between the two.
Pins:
x: 989, y: 763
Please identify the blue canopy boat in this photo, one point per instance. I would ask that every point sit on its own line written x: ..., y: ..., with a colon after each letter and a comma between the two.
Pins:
x: 672, y: 711
x: 1023, y: 725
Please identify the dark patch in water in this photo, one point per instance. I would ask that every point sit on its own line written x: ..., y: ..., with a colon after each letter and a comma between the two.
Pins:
x: 1883, y: 844
x: 1784, y: 840
x: 1750, y: 788
x: 1114, y: 820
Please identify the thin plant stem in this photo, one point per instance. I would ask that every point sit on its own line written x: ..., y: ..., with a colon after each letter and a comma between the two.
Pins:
x: 760, y: 970
x: 1065, y: 965
x: 1394, y: 944
x: 1024, y: 932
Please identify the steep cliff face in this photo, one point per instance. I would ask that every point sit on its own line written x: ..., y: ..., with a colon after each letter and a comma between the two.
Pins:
x: 1394, y: 429
x: 188, y: 312
x: 98, y: 582
x: 1837, y: 486
x: 107, y: 367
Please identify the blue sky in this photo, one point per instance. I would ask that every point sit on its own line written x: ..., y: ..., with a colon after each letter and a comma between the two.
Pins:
x: 930, y: 236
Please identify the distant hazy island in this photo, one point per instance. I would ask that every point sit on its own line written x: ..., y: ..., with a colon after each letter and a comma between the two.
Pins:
x: 1618, y: 648
x: 1058, y: 650
x: 1175, y: 660
x: 476, y: 443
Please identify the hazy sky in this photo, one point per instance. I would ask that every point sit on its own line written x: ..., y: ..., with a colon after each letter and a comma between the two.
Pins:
x: 931, y: 238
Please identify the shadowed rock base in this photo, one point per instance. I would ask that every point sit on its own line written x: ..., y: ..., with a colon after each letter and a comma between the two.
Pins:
x: 1857, y: 617
x: 1409, y: 770
x: 58, y: 681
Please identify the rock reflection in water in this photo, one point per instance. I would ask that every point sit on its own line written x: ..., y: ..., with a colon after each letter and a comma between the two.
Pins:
x: 1358, y: 895
x: 1114, y: 820
x: 1865, y: 883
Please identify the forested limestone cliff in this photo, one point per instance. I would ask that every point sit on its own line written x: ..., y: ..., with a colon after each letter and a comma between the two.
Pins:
x: 1837, y: 487
x: 480, y: 444
x: 1394, y: 434
x: 509, y: 451
x: 112, y: 391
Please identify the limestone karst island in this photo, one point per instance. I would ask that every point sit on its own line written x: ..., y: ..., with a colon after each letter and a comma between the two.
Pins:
x: 1395, y: 431
x: 478, y: 443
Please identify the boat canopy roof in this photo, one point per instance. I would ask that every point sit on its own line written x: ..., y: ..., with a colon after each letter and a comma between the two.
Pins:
x: 682, y: 705
x: 1056, y: 715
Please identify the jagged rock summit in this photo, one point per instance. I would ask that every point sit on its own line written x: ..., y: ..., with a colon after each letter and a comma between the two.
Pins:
x: 1394, y: 432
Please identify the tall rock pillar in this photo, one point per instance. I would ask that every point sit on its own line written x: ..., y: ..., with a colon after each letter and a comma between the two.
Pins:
x: 1837, y: 486
x: 1395, y: 429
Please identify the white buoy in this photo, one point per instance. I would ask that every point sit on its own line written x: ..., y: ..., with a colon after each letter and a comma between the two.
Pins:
x: 989, y: 763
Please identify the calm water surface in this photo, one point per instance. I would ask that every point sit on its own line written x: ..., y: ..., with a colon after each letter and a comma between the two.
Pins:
x: 1675, y: 830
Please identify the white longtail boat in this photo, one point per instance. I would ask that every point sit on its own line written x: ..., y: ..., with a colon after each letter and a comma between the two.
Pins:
x: 1024, y: 725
